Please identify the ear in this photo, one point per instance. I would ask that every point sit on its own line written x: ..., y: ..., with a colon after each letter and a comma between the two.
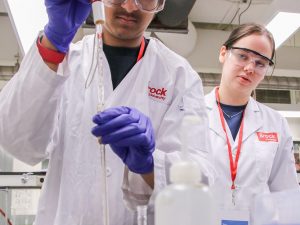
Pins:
x: 222, y: 54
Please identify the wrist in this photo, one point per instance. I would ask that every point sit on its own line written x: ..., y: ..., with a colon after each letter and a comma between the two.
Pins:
x: 47, y: 43
x: 48, y: 51
x: 144, y: 166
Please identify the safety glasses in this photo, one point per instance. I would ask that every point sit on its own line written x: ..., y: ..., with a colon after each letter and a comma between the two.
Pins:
x: 244, y: 56
x: 151, y: 6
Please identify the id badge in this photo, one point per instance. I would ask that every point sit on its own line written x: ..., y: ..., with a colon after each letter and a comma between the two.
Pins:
x: 234, y: 217
x: 234, y: 222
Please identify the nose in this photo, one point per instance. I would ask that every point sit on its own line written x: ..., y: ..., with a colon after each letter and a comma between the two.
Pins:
x: 130, y: 6
x: 250, y: 66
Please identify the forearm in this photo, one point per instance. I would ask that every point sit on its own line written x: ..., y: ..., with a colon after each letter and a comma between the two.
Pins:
x: 149, y: 179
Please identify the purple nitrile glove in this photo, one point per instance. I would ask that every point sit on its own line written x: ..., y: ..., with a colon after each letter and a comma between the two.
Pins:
x: 64, y: 18
x: 130, y: 135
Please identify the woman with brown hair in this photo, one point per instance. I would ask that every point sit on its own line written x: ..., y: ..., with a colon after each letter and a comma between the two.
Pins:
x: 251, y: 143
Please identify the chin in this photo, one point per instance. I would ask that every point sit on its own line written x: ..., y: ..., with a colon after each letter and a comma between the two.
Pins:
x: 127, y: 34
x: 123, y: 36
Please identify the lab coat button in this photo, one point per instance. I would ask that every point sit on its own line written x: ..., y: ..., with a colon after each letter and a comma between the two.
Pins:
x: 108, y: 172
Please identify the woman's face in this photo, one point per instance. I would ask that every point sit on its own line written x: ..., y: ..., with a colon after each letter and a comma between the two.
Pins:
x: 243, y: 70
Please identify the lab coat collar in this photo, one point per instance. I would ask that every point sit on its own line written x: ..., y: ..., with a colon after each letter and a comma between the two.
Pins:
x: 253, y: 118
x: 131, y: 78
x: 213, y: 114
x: 252, y: 122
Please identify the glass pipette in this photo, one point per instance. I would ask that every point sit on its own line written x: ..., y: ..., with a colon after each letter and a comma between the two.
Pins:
x: 99, y: 18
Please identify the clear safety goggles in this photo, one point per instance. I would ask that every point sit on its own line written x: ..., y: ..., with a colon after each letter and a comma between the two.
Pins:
x: 244, y: 56
x: 151, y: 6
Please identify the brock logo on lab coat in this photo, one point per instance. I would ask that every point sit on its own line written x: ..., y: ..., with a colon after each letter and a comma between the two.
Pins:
x: 158, y: 93
x: 267, y: 137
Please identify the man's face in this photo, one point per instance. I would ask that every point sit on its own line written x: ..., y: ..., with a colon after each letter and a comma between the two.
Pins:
x: 125, y: 22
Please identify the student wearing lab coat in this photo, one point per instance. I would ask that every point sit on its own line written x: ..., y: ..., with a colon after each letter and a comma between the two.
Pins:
x: 48, y: 111
x: 251, y: 143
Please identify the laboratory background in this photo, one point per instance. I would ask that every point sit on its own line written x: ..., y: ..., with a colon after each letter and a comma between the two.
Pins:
x: 195, y: 31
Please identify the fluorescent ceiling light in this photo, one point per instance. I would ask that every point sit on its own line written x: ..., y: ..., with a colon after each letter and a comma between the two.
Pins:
x: 28, y: 18
x: 283, y: 25
x: 290, y: 114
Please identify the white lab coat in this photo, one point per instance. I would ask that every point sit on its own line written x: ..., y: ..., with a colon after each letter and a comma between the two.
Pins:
x: 43, y: 114
x: 263, y: 166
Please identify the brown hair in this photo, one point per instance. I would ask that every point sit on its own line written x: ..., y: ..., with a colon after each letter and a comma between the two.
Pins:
x: 247, y: 29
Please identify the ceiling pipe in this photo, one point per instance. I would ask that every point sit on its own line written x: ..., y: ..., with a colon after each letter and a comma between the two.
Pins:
x: 175, y: 12
x: 183, y: 44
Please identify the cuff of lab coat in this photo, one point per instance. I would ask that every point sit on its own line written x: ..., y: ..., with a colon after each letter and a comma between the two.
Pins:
x: 43, y: 71
x: 136, y: 190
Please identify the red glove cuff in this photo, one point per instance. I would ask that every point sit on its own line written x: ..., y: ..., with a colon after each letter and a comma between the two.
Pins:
x: 49, y: 55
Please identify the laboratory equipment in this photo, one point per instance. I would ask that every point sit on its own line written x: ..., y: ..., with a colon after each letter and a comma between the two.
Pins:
x: 186, y: 201
x: 276, y: 208
x: 33, y: 180
x: 7, y: 220
x: 99, y: 19
x: 19, y: 194
x: 142, y: 215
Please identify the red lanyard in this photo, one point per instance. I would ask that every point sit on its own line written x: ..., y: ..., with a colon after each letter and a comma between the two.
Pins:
x: 142, y: 50
x: 233, y: 164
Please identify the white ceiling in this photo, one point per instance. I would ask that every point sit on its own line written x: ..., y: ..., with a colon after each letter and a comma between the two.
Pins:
x: 207, y: 41
x: 222, y: 11
x: 260, y: 11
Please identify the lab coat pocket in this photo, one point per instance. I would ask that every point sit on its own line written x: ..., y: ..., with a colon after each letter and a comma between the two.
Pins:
x: 264, y: 156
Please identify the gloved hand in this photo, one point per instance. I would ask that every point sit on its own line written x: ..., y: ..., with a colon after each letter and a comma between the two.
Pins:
x: 64, y: 18
x: 130, y: 135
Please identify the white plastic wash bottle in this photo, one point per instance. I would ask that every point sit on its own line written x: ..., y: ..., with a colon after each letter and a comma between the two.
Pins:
x: 186, y: 201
